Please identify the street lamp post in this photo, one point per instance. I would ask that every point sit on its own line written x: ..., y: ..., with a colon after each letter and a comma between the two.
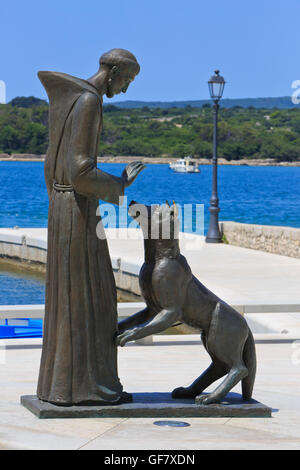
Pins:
x: 216, y: 87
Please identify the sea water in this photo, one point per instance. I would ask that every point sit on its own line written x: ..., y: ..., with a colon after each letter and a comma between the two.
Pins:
x: 267, y: 195
x: 256, y: 195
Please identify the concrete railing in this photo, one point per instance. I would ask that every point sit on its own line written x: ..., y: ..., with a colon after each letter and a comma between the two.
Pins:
x: 272, y: 239
x: 125, y: 309
x: 273, y: 326
x: 29, y: 245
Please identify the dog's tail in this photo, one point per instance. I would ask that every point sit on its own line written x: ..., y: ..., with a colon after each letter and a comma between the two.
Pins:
x: 249, y: 358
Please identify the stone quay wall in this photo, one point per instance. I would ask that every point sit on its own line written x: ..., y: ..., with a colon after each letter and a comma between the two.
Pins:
x: 272, y: 239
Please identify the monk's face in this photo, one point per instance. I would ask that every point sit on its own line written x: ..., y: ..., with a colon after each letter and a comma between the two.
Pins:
x: 119, y: 81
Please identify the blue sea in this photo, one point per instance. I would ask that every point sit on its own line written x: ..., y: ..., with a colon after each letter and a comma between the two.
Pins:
x: 19, y: 289
x: 258, y: 195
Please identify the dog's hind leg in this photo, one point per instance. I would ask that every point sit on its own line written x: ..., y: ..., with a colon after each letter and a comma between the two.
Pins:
x: 236, y: 374
x: 226, y: 339
x: 214, y: 372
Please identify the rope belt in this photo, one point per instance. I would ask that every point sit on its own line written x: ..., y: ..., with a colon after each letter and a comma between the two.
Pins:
x: 62, y: 187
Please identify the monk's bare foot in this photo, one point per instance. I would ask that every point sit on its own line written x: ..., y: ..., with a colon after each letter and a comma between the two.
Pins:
x: 125, y: 397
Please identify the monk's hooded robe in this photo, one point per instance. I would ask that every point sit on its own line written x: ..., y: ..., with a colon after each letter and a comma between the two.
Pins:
x: 79, y: 358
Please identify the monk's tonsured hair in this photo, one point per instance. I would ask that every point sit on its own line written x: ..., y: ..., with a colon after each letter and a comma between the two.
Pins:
x: 120, y: 57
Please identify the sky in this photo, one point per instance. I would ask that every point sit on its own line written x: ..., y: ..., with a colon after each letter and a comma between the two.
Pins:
x: 178, y: 44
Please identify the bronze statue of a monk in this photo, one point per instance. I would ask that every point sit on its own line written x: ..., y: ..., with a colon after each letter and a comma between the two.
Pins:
x: 79, y: 358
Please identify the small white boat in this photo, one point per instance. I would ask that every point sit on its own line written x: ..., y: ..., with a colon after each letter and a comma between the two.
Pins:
x: 185, y: 165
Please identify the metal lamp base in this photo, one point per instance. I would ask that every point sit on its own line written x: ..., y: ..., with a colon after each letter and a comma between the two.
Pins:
x: 213, y: 240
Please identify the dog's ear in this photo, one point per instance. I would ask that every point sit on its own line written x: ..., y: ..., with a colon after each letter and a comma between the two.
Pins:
x: 175, y: 210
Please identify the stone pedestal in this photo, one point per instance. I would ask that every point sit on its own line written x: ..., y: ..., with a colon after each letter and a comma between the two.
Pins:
x: 152, y: 405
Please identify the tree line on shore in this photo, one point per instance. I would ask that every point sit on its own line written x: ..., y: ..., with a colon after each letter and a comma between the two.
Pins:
x: 252, y: 133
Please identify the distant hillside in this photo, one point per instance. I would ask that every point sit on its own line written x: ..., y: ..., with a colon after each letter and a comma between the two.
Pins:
x: 27, y: 102
x: 247, y: 129
x: 284, y: 102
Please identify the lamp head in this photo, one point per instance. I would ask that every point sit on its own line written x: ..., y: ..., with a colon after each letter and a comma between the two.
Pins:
x: 216, y: 86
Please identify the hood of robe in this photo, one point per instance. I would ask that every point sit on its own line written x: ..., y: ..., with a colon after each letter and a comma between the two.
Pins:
x: 63, y: 91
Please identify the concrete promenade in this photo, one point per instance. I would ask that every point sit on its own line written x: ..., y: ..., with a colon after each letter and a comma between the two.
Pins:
x: 173, y: 361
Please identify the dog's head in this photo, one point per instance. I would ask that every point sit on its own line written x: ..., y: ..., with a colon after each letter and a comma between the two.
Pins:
x: 157, y: 222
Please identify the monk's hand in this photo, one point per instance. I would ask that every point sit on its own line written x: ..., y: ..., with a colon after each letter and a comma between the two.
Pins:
x: 130, y: 173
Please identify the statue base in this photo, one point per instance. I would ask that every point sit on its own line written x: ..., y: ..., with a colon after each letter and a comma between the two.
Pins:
x: 152, y: 405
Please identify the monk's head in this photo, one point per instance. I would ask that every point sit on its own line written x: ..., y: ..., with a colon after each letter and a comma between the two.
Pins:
x: 121, y: 68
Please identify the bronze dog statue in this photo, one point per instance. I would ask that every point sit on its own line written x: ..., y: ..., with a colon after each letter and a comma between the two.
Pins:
x: 172, y: 294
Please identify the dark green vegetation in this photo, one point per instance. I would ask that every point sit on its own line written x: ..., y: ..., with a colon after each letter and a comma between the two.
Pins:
x: 24, y: 129
x: 176, y: 131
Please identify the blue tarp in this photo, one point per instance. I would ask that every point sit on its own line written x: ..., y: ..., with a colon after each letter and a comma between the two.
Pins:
x: 33, y: 328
